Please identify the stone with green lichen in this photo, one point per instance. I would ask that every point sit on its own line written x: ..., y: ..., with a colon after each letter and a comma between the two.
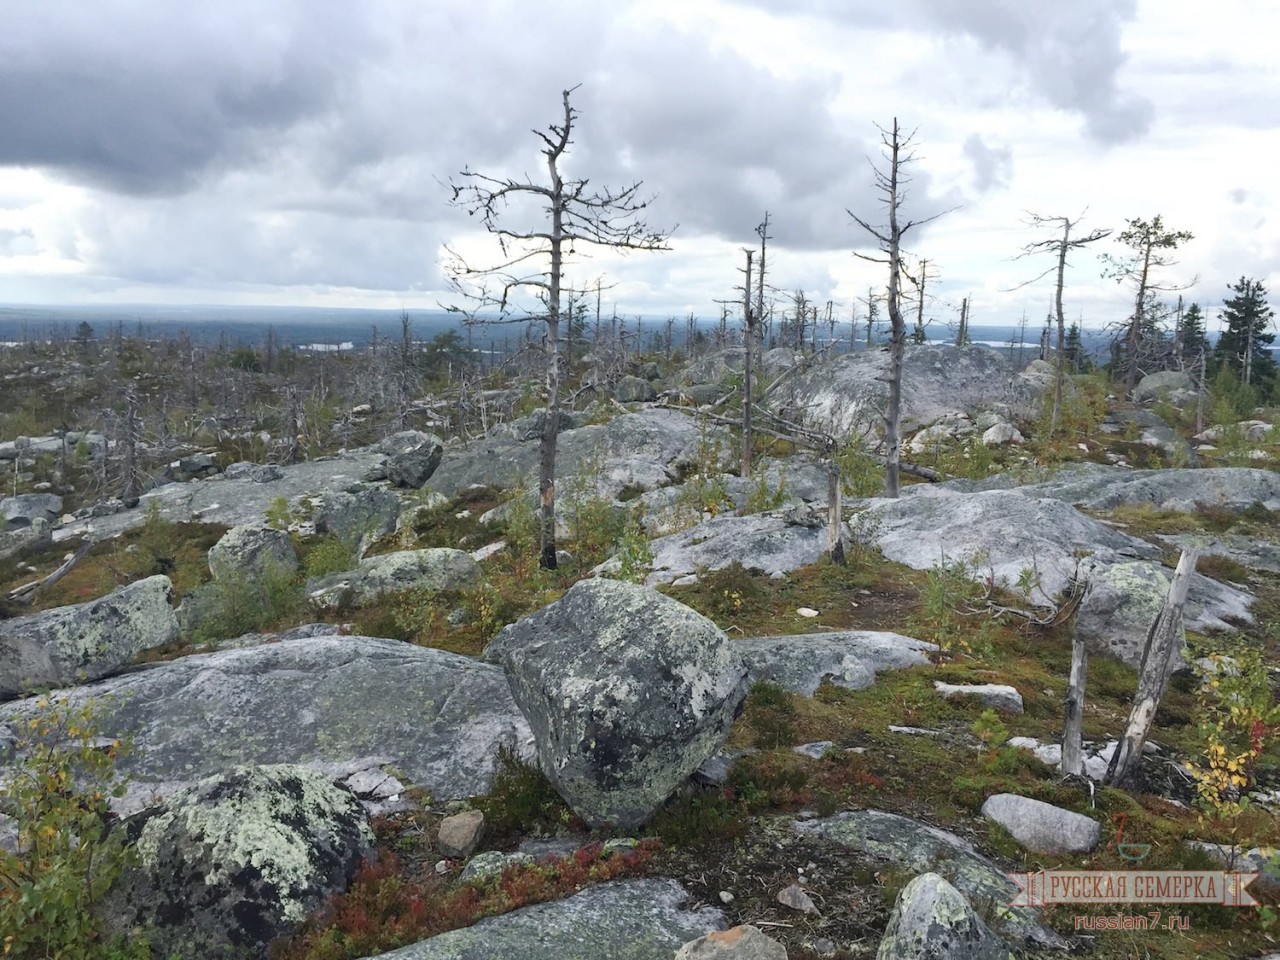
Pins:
x: 438, y: 717
x: 627, y: 692
x: 250, y: 552
x: 85, y: 640
x: 239, y: 860
x: 919, y: 847
x: 932, y: 921
x: 439, y: 568
x: 622, y: 920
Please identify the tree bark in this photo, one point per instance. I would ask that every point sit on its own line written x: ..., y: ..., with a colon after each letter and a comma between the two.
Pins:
x: 1060, y: 375
x: 1072, y: 760
x: 898, y: 336
x: 835, y: 542
x: 749, y: 342
x: 1153, y: 674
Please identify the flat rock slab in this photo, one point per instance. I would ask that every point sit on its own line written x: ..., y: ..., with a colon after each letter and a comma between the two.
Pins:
x: 323, y: 701
x: 846, y: 658
x: 1103, y: 488
x: 232, y: 502
x: 767, y: 542
x: 919, y: 847
x: 998, y: 696
x: 1041, y: 827
x: 624, y: 920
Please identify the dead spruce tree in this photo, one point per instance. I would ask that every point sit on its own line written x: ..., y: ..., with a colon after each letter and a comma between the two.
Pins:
x: 891, y: 184
x: 1060, y: 247
x: 539, y: 224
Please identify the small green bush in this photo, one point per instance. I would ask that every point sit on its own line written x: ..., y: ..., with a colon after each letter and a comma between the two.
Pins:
x: 69, y: 855
x: 327, y: 555
x: 229, y: 608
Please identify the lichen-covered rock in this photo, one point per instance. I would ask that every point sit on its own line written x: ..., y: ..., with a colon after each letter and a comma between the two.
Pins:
x: 1162, y: 383
x: 1104, y: 488
x: 622, y: 920
x: 635, y: 390
x: 1124, y: 599
x: 239, y: 860
x: 27, y: 507
x: 436, y: 568
x: 998, y: 696
x: 846, y: 658
x: 249, y: 552
x: 998, y: 434
x: 64, y: 645
x: 254, y: 472
x: 1042, y: 827
x: 412, y: 457
x: 439, y: 718
x: 919, y: 847
x: 737, y: 943
x: 775, y: 542
x: 18, y: 540
x: 358, y: 516
x: 932, y: 921
x: 627, y: 692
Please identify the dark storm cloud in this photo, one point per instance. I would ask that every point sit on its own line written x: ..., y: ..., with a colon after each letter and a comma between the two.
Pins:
x: 992, y: 166
x: 144, y: 98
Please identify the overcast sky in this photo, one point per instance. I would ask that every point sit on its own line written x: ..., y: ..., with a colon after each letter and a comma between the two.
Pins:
x: 299, y: 151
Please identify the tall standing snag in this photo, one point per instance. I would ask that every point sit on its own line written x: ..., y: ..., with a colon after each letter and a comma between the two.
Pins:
x: 572, y: 212
x: 890, y: 185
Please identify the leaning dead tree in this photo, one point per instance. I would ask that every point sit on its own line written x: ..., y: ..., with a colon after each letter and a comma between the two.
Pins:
x: 559, y: 215
x: 891, y: 185
x: 1153, y: 674
x: 1060, y: 247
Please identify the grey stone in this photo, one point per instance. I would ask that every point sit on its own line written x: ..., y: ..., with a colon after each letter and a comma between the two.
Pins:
x: 848, y: 392
x: 27, y: 507
x: 254, y: 472
x: 933, y: 921
x: 635, y: 390
x: 250, y: 552
x: 437, y: 568
x: 1246, y: 551
x: 917, y: 846
x: 627, y: 692
x: 997, y: 435
x: 768, y: 542
x: 16, y: 541
x: 438, y: 717
x: 85, y: 640
x: 1240, y: 860
x: 631, y: 919
x: 239, y: 860
x: 1103, y: 488
x: 491, y: 863
x: 704, y: 393
x: 649, y: 371
x: 795, y: 898
x: 736, y: 943
x: 996, y: 695
x: 816, y: 750
x: 460, y: 834
x: 1162, y: 383
x: 412, y: 457
x: 1041, y: 827
x: 358, y: 516
x: 847, y: 658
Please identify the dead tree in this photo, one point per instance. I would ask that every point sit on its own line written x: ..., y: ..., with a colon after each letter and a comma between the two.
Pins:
x: 1162, y: 639
x: 1060, y: 247
x: 749, y: 320
x: 920, y: 281
x: 890, y: 185
x: 532, y: 258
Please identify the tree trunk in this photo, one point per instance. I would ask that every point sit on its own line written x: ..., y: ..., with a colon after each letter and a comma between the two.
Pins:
x: 1060, y: 375
x: 898, y: 336
x: 835, y: 542
x: 1153, y: 673
x: 1072, y: 761
x: 1135, y: 328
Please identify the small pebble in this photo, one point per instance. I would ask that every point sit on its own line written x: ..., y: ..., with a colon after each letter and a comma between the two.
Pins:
x: 726, y: 897
x: 442, y: 867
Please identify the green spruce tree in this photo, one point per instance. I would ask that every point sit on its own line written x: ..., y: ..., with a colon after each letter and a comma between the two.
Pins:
x: 1244, y: 346
x: 1191, y: 334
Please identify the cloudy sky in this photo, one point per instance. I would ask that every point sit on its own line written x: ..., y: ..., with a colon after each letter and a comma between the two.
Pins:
x: 299, y: 151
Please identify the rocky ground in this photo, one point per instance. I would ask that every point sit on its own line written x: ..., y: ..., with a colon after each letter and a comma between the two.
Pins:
x: 698, y: 723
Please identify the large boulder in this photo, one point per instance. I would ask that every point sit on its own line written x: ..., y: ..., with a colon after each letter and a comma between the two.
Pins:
x: 240, y: 859
x: 439, y: 568
x: 627, y: 692
x: 849, y: 392
x: 412, y: 457
x: 635, y: 919
x: 358, y: 516
x: 329, y: 702
x: 635, y: 390
x: 847, y: 658
x: 1163, y: 385
x: 249, y: 552
x: 26, y: 508
x: 933, y: 921
x: 19, y: 540
x: 1104, y: 488
x: 85, y: 641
